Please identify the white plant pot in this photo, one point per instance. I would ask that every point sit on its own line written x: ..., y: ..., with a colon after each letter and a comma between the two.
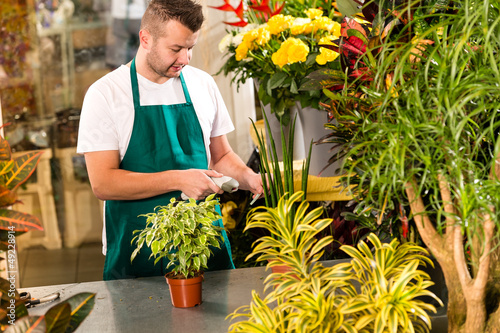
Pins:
x: 312, y: 124
x: 309, y: 126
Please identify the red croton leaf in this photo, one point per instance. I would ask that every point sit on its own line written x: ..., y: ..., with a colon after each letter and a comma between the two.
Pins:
x: 362, y: 73
x: 350, y: 23
x: 336, y: 87
x: 355, y: 45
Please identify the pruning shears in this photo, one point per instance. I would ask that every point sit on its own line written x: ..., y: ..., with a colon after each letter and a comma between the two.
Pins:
x: 31, y: 302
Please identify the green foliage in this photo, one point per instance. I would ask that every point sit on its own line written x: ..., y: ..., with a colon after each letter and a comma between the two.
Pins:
x: 64, y: 317
x: 279, y: 182
x: 182, y: 232
x: 60, y: 318
x: 424, y: 131
x: 436, y: 113
x: 261, y: 51
x: 379, y: 290
x: 13, y: 173
x: 292, y: 240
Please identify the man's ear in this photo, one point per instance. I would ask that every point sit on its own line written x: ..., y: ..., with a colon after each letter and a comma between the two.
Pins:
x: 145, y: 39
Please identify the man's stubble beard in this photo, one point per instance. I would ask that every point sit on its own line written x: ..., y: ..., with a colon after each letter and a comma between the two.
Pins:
x: 152, y: 60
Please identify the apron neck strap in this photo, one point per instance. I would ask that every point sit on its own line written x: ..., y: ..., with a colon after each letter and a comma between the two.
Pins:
x: 185, y: 90
x: 135, y: 86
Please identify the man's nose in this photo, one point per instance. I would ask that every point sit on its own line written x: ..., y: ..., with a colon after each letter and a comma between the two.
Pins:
x: 184, y: 56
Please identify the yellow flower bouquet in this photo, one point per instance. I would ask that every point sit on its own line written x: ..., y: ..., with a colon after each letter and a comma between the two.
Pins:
x: 279, y: 54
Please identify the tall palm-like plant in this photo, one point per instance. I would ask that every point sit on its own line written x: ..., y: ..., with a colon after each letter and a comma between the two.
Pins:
x: 425, y: 132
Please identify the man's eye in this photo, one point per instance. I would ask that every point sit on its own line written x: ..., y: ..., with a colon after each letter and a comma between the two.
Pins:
x: 176, y: 50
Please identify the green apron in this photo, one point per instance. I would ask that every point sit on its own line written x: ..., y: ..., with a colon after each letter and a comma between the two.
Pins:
x: 164, y: 137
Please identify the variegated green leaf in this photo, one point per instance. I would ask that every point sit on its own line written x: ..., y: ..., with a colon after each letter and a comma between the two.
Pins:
x: 32, y: 324
x: 7, y: 197
x: 24, y: 166
x: 58, y: 317
x: 5, y: 151
x: 19, y: 222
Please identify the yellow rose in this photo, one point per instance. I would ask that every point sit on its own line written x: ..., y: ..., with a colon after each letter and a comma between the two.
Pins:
x: 313, y: 13
x: 323, y: 23
x: 326, y: 55
x: 297, y: 51
x: 279, y: 58
x: 263, y: 36
x: 279, y: 23
x: 299, y: 25
x: 308, y: 28
x: 335, y: 29
x: 241, y: 52
x: 328, y: 39
x: 321, y: 59
x: 250, y: 36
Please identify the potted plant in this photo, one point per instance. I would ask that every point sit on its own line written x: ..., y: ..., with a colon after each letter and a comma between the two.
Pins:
x: 182, y: 232
x: 425, y: 132
x: 63, y: 317
x: 379, y: 290
x: 277, y: 43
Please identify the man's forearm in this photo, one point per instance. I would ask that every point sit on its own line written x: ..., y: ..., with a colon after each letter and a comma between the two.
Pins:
x: 121, y: 184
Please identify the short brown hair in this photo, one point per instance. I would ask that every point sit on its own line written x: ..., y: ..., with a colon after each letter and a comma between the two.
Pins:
x: 187, y: 12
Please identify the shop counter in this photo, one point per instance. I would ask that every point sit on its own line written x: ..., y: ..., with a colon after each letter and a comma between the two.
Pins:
x: 143, y: 304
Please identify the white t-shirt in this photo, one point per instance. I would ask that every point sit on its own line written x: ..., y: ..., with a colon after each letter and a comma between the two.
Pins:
x: 107, y: 116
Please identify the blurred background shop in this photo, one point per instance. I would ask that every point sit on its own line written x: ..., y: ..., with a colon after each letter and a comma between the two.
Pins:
x: 51, y: 52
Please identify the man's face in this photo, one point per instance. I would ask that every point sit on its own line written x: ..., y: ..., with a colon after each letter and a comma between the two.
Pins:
x: 172, y: 50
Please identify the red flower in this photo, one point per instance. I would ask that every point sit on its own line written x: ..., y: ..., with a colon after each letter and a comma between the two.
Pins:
x: 262, y: 11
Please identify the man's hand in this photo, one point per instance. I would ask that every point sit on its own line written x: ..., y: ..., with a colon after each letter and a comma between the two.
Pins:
x: 196, y: 183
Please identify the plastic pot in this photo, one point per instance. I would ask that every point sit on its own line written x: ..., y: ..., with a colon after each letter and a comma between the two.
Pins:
x: 185, y: 293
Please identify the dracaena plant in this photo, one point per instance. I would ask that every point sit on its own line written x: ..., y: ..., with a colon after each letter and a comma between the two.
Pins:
x: 182, y: 232
x: 388, y: 298
x: 426, y: 133
x: 292, y: 233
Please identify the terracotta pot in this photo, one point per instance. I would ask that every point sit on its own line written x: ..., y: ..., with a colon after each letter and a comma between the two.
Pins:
x: 185, y: 293
x: 283, y: 269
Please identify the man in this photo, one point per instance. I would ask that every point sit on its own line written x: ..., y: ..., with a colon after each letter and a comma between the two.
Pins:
x: 150, y: 130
